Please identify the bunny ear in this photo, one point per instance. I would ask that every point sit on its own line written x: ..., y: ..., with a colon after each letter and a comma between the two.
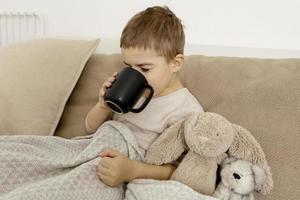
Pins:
x: 245, y: 146
x: 168, y: 146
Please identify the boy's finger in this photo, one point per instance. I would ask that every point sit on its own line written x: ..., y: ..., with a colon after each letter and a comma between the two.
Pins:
x: 109, y: 153
x: 105, y: 162
x: 111, y: 79
x: 104, y: 171
x: 101, y: 89
x: 102, y: 92
x: 102, y: 177
x: 104, y: 154
x: 107, y: 84
x: 104, y: 165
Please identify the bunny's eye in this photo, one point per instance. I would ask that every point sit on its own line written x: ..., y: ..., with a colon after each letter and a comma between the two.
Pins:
x: 217, y: 134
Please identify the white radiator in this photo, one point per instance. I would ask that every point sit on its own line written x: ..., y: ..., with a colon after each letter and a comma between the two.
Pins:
x: 20, y: 26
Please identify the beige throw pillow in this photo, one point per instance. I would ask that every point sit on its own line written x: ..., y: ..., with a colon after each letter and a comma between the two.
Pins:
x: 86, y: 94
x: 36, y: 80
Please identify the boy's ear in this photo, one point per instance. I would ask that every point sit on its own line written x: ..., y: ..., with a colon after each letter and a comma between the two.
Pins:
x: 177, y: 62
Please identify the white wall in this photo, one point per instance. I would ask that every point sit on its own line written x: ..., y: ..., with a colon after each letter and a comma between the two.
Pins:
x: 252, y: 23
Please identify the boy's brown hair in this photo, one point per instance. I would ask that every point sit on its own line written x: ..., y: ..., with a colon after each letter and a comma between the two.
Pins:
x: 155, y: 28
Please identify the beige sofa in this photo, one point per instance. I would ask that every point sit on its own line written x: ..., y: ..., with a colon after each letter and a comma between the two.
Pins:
x: 263, y: 95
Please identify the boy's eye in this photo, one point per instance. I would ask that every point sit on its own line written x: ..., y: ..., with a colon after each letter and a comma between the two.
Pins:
x: 144, y: 70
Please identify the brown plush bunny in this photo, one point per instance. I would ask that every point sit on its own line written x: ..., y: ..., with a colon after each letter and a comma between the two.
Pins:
x: 206, y: 137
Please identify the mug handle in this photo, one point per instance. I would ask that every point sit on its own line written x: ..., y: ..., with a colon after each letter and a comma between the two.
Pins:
x: 136, y: 110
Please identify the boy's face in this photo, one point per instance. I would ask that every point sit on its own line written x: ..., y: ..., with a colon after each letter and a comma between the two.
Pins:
x: 158, y: 72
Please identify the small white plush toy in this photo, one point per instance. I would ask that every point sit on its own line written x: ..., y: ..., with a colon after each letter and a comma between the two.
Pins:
x: 239, y: 179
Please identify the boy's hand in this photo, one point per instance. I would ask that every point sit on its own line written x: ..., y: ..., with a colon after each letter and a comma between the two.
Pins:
x: 115, y: 168
x: 102, y: 91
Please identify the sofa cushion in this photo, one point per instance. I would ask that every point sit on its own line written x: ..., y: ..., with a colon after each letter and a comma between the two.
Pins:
x: 36, y: 79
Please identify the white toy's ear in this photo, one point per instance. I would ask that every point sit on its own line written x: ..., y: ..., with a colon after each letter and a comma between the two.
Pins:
x: 228, y: 160
x: 168, y: 146
x: 259, y: 177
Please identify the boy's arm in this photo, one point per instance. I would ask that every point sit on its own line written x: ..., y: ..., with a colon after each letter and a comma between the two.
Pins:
x: 115, y: 168
x: 100, y: 113
x: 158, y: 172
x: 96, y: 116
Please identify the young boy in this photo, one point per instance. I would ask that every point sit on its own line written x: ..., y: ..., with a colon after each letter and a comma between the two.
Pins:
x: 152, y: 42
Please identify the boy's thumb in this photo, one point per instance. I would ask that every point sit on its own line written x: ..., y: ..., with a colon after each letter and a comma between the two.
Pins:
x: 109, y: 153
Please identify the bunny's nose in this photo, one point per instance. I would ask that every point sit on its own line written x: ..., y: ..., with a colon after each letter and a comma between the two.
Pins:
x: 236, y: 176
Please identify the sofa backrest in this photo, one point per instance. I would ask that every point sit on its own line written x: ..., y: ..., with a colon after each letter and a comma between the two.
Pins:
x: 262, y: 95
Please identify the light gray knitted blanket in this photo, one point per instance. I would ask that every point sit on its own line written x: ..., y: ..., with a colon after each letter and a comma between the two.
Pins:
x: 149, y: 189
x: 42, y: 167
x: 54, y: 168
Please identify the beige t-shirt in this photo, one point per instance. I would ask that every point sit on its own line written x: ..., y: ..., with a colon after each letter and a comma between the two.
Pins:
x: 159, y: 114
